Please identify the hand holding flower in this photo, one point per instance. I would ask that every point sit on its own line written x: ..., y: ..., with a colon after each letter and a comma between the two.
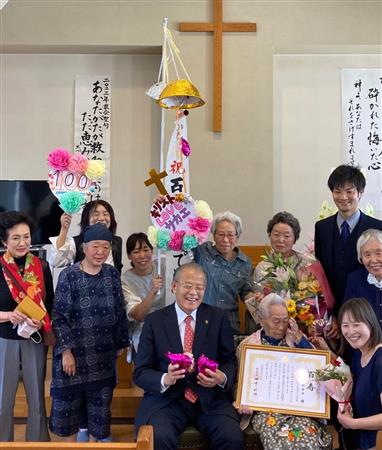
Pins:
x: 174, y: 373
x: 182, y: 360
x: 346, y: 418
x: 211, y: 379
x: 66, y: 220
x: 205, y: 363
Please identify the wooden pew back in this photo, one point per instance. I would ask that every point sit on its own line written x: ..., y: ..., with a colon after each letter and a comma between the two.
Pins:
x: 145, y: 441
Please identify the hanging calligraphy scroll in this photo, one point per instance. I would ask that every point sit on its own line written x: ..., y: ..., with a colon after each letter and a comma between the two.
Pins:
x: 92, y: 125
x: 362, y: 127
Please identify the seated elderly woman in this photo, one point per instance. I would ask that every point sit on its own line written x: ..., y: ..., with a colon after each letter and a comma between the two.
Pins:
x: 287, y: 272
x: 229, y: 271
x: 277, y: 329
x: 367, y: 282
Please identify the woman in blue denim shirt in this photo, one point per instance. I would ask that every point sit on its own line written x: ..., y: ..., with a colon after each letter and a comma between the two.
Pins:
x: 229, y: 271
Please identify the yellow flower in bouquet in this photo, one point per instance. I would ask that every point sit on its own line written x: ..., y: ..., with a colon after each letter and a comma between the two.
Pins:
x: 315, y: 287
x: 305, y: 316
x: 292, y: 311
x: 308, y: 287
x: 302, y: 285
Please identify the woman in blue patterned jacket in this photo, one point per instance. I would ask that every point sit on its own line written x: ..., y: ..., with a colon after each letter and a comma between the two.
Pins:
x: 90, y: 325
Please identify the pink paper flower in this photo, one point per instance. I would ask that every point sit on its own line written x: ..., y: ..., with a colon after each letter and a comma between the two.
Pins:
x: 78, y: 163
x: 176, y: 242
x: 206, y: 363
x: 184, y: 360
x: 59, y: 159
x: 201, y: 237
x: 186, y: 149
x: 199, y: 225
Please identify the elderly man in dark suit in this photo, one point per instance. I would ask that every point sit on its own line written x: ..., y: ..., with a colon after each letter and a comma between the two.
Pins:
x: 336, y: 236
x: 173, y: 398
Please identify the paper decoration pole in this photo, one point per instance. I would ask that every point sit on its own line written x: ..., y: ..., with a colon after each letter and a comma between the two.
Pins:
x: 179, y: 94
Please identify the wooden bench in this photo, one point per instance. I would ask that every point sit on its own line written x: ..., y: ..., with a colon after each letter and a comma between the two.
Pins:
x: 145, y: 441
x: 379, y: 440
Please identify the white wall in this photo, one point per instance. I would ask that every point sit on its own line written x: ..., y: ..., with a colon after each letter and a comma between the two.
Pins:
x: 308, y: 130
x: 37, y: 110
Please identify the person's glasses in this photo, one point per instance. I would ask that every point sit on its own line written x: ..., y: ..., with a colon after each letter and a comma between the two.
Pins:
x: 229, y: 236
x: 189, y: 286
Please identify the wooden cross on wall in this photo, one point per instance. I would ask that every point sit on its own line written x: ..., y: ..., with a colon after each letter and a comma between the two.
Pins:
x: 217, y: 27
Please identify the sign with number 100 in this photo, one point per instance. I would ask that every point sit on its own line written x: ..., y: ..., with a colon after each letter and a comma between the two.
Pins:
x: 61, y: 181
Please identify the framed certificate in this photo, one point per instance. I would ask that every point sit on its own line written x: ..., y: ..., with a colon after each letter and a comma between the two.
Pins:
x: 281, y: 379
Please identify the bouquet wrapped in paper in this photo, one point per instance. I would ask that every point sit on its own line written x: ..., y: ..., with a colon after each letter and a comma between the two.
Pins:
x: 184, y: 360
x: 337, y: 381
x: 206, y: 363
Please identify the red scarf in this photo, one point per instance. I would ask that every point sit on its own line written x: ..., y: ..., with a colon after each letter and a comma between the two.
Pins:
x: 30, y: 284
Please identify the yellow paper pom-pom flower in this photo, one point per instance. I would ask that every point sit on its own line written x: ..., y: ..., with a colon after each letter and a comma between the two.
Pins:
x: 152, y: 234
x: 96, y: 169
x: 203, y: 210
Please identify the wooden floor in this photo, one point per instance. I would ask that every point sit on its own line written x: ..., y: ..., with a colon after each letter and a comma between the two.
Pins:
x: 120, y: 433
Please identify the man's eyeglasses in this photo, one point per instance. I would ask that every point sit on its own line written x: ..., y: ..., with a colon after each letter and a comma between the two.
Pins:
x: 189, y: 286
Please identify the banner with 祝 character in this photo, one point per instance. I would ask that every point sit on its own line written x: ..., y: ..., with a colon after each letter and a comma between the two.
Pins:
x: 362, y: 127
x: 92, y: 125
x: 177, y: 165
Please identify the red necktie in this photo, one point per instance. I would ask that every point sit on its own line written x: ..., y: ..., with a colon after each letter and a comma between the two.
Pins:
x: 189, y: 394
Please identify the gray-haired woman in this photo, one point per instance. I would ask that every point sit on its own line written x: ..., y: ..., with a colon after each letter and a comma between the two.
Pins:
x: 228, y: 270
x: 367, y: 282
x: 278, y: 330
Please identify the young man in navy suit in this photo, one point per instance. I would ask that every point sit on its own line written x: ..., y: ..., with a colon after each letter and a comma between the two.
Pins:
x: 173, y: 398
x: 336, y: 236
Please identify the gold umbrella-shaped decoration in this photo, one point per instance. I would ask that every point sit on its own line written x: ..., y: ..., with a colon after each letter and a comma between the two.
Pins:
x: 179, y: 93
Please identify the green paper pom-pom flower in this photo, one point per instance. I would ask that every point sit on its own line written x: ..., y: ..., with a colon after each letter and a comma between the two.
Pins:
x: 163, y: 238
x: 189, y: 242
x: 71, y: 202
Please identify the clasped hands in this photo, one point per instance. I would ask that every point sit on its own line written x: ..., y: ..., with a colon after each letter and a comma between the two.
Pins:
x: 17, y: 317
x: 209, y: 380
